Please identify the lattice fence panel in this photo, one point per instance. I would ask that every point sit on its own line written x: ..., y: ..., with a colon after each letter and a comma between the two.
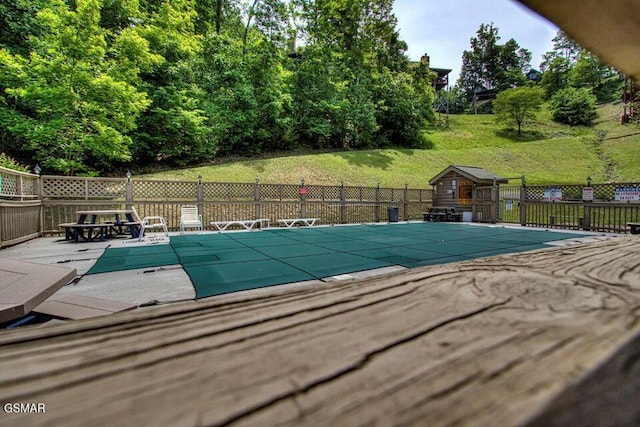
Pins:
x: 419, y: 195
x: 75, y: 188
x: 29, y: 186
x: 18, y: 185
x: 64, y: 187
x: 357, y: 194
x: 569, y: 192
x: 323, y: 192
x: 165, y: 190
x: 390, y: 194
x: 604, y: 192
x: 228, y: 191
x: 361, y: 193
x: 279, y: 192
x: 9, y: 185
x: 107, y: 189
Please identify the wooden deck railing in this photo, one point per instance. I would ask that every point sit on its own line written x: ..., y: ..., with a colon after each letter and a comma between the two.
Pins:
x: 20, y: 207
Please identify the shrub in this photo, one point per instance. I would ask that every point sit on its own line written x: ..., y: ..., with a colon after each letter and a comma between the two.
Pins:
x: 573, y: 106
x: 10, y: 163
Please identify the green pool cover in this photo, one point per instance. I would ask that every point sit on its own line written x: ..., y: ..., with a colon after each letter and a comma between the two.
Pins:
x: 228, y: 262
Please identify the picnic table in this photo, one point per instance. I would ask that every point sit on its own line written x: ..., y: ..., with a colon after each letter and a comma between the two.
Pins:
x: 442, y: 214
x: 118, y: 222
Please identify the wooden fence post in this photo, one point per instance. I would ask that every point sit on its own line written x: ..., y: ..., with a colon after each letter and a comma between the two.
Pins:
x: 343, y: 204
x: 523, y: 202
x: 256, y: 199
x: 406, y: 202
x: 200, y: 197
x: 377, y: 212
x: 493, y: 212
x: 19, y: 188
x: 129, y: 189
x: 303, y: 199
x: 39, y: 190
x: 586, y: 220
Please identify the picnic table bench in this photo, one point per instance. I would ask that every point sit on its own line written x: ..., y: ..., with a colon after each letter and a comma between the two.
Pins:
x: 634, y: 227
x: 301, y: 221
x: 247, y: 224
x: 92, y: 230
x: 442, y: 214
x: 89, y: 232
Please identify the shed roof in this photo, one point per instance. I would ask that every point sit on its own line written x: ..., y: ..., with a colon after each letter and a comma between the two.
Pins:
x: 475, y: 174
x: 607, y: 28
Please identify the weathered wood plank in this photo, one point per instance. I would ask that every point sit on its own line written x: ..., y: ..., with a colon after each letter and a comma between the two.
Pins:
x: 78, y: 307
x: 484, y: 342
x: 24, y: 285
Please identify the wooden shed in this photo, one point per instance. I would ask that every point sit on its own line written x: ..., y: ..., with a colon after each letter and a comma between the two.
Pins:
x: 453, y: 187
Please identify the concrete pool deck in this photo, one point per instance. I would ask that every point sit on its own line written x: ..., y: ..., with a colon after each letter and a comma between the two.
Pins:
x: 168, y: 284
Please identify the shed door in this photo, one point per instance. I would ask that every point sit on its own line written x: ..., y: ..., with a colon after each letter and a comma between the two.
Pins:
x: 484, y: 204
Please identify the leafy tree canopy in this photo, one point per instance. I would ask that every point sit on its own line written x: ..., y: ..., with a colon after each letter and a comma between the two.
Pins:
x: 490, y: 65
x: 91, y: 86
x: 518, y: 106
x: 570, y: 65
x: 574, y: 106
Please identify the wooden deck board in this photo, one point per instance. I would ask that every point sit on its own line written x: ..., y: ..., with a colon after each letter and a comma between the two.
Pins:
x: 484, y: 342
x: 77, y: 307
x: 24, y: 285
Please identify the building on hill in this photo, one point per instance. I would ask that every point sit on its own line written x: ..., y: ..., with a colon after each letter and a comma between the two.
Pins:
x: 534, y: 75
x: 454, y: 186
x: 441, y: 80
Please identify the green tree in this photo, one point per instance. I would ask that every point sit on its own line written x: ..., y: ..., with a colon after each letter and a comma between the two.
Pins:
x: 568, y: 64
x: 174, y: 128
x: 518, y: 106
x: 18, y: 22
x: 490, y: 65
x: 352, y: 80
x: 573, y: 106
x: 67, y: 105
x: 603, y: 80
x: 563, y: 47
x: 556, y: 75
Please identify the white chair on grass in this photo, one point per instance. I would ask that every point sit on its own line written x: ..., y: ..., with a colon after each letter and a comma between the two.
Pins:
x: 150, y: 223
x: 189, y: 218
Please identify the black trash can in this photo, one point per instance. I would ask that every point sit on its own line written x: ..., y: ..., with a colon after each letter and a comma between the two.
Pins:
x: 393, y: 213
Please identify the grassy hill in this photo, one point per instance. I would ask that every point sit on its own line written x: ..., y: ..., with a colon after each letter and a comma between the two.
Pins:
x: 547, y: 153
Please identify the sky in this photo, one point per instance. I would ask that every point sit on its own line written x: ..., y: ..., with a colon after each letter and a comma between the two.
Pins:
x: 443, y: 29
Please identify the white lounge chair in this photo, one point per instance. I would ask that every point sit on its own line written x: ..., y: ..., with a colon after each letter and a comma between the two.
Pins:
x: 189, y: 218
x: 150, y: 222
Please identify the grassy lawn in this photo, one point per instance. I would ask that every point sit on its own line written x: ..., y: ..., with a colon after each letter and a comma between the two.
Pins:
x: 547, y: 153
